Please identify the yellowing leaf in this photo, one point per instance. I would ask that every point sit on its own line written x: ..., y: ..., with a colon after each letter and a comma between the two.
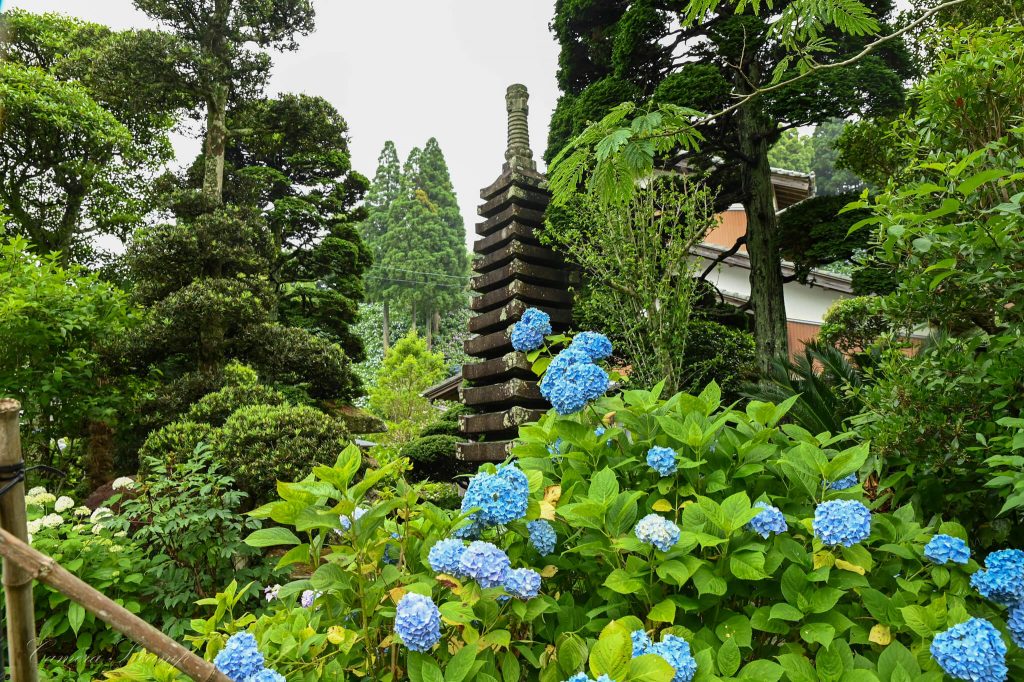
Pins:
x: 548, y: 571
x: 396, y: 594
x: 847, y: 566
x: 608, y: 419
x: 662, y: 505
x: 547, y: 506
x: 880, y: 634
x: 822, y: 559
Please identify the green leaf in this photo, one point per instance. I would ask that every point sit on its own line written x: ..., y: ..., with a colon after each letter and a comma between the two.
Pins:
x: 610, y: 656
x: 762, y: 670
x: 272, y: 537
x: 603, y: 487
x: 896, y: 656
x: 708, y: 582
x: 822, y: 633
x: 76, y: 616
x: 663, y: 612
x: 785, y: 612
x: 623, y: 582
x: 571, y: 652
x: 978, y: 179
x: 729, y: 658
x: 747, y: 565
x: 460, y: 664
x: 650, y: 668
x: 920, y: 620
x: 430, y: 671
x: 797, y: 668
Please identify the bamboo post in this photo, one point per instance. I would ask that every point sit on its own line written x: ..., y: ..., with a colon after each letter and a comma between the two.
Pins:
x: 21, y: 616
x: 40, y: 567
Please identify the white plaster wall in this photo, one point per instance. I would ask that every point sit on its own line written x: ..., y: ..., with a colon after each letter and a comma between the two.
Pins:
x: 803, y: 303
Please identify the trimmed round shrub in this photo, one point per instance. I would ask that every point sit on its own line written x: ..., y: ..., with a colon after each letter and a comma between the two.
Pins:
x: 174, y: 443
x: 215, y: 408
x: 433, y: 458
x: 448, y: 423
x: 853, y: 324
x: 263, y: 444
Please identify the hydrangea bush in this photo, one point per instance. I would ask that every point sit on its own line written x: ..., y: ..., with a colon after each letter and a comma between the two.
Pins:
x: 640, y: 539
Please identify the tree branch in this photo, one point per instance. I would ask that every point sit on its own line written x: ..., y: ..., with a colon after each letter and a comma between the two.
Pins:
x: 740, y: 241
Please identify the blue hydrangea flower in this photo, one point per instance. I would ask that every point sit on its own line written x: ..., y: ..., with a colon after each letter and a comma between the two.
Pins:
x: 542, y: 536
x: 444, y: 556
x: 971, y: 651
x: 240, y: 658
x: 599, y: 431
x: 1003, y: 581
x: 565, y: 382
x: 582, y: 677
x: 470, y: 531
x: 484, y: 563
x: 769, y: 521
x: 266, y: 675
x: 641, y: 642
x: 842, y: 522
x: 529, y: 332
x: 1015, y: 622
x: 943, y: 548
x: 556, y: 448
x: 308, y: 597
x: 418, y: 622
x: 662, y: 460
x: 658, y: 531
x: 357, y: 514
x: 676, y: 651
x: 522, y: 583
x: 845, y: 483
x: 580, y: 384
x: 595, y: 346
x: 502, y: 497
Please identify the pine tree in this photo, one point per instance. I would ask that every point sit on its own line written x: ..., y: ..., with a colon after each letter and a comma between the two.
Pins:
x: 384, y: 189
x: 416, y: 234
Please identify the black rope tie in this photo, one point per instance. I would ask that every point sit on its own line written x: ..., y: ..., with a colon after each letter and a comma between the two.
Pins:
x: 13, y: 474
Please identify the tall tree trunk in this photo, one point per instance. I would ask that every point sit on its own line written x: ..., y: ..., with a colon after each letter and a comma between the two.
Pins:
x: 767, y: 297
x: 430, y: 329
x: 216, y: 140
x: 387, y: 325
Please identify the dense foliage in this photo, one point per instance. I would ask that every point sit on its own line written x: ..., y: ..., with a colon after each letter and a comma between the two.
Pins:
x: 55, y: 324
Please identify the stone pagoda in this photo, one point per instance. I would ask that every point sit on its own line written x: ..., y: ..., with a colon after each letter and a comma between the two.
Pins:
x: 513, y: 272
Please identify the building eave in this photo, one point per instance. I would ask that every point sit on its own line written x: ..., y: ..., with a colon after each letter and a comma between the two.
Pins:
x: 817, y: 278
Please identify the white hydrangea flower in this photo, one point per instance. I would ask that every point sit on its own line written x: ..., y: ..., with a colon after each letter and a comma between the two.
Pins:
x: 35, y: 526
x: 44, y: 498
x: 51, y: 520
x: 38, y: 490
x: 63, y: 503
x: 82, y: 511
x: 97, y: 529
x: 123, y: 482
x: 101, y: 513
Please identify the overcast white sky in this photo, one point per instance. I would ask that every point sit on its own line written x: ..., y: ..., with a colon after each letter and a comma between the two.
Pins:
x: 407, y: 70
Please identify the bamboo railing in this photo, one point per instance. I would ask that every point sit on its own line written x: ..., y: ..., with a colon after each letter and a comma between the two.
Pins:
x: 22, y: 565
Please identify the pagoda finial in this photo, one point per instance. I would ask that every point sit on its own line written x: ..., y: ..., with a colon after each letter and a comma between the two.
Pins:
x: 518, y: 153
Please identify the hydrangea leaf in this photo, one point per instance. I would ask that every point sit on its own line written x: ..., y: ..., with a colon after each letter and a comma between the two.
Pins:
x: 623, y: 582
x: 728, y: 658
x: 650, y: 668
x: 611, y: 655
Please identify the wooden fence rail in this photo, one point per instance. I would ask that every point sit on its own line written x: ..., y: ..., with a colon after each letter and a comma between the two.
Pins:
x: 22, y: 564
